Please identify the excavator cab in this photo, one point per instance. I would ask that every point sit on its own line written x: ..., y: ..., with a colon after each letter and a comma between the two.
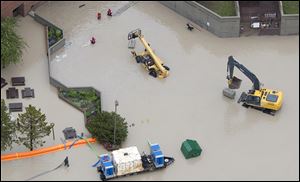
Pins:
x: 234, y: 83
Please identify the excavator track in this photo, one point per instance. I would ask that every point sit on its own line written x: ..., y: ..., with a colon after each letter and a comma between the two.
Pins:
x: 266, y: 111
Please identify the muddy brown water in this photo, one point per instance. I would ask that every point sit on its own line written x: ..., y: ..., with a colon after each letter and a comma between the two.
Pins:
x: 237, y: 143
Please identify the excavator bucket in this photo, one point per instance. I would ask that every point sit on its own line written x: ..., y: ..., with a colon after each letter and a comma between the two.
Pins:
x: 234, y: 83
x: 135, y: 33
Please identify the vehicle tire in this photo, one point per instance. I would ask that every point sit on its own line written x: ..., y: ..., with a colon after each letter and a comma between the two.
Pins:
x: 167, y: 68
x: 139, y: 59
x: 152, y: 73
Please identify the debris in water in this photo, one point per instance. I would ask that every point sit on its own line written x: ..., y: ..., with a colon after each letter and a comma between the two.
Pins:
x: 81, y: 5
x: 191, y: 26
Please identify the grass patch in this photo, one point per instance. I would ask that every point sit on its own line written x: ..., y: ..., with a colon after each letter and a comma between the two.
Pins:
x: 290, y: 7
x: 222, y: 8
x: 86, y: 100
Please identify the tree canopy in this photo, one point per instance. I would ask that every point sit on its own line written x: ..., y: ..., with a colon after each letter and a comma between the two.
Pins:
x: 7, y: 128
x: 33, y: 128
x: 12, y: 44
x: 102, y: 127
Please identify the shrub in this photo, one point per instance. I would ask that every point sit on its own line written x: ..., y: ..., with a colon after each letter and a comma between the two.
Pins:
x: 102, y: 127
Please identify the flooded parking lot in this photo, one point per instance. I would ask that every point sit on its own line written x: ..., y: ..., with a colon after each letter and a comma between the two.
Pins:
x: 237, y: 143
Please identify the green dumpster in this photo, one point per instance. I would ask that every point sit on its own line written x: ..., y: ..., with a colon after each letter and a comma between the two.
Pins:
x: 190, y: 148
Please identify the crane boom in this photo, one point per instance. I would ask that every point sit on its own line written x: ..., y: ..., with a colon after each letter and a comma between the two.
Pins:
x: 156, y: 59
x: 230, y: 68
x: 149, y: 59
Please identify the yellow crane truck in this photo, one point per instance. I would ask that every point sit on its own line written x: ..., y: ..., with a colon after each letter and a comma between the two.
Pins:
x: 147, y: 58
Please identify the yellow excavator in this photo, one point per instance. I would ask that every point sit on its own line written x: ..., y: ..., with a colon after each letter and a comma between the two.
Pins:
x: 263, y: 99
x: 147, y: 58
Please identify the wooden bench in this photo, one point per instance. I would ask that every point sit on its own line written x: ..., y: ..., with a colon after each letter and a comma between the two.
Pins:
x: 15, y: 107
x: 18, y: 81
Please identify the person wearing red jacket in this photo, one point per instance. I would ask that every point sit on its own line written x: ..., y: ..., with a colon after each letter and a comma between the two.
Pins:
x: 109, y: 12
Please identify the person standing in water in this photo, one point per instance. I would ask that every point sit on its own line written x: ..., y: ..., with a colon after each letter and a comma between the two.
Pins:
x: 66, y: 161
x: 109, y: 12
x: 93, y: 40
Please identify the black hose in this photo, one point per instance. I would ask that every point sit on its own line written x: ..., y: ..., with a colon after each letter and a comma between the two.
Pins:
x: 43, y: 173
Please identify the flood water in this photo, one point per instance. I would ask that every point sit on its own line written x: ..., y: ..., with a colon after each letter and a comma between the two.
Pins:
x: 237, y: 143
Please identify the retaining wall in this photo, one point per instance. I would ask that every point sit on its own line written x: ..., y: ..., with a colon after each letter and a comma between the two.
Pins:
x: 289, y: 23
x: 226, y: 26
x: 50, y: 51
x: 47, y: 24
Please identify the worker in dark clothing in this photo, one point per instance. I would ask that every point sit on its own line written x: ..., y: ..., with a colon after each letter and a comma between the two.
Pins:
x: 109, y: 12
x: 66, y: 161
x: 99, y: 16
x: 93, y: 40
x: 190, y: 27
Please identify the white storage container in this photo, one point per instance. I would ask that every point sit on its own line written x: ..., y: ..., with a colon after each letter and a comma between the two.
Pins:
x: 127, y: 160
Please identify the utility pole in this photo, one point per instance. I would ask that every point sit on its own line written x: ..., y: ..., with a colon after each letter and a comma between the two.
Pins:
x: 116, y: 105
x: 53, y: 132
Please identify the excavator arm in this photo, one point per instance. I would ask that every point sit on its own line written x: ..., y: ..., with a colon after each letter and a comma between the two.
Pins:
x: 234, y: 82
x: 263, y: 99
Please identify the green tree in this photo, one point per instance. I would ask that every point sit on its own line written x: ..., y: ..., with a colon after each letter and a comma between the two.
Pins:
x: 11, y: 43
x: 102, y: 127
x: 33, y: 127
x: 7, y: 128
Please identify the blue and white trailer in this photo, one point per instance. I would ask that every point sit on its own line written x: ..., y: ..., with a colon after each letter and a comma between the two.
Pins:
x: 128, y: 161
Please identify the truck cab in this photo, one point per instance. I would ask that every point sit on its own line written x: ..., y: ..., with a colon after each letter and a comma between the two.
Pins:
x: 106, y: 166
x: 157, y: 155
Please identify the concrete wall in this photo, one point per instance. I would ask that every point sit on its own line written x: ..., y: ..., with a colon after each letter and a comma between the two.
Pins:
x: 47, y: 24
x: 57, y: 45
x: 289, y: 23
x: 50, y: 51
x: 207, y: 19
x: 7, y: 7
